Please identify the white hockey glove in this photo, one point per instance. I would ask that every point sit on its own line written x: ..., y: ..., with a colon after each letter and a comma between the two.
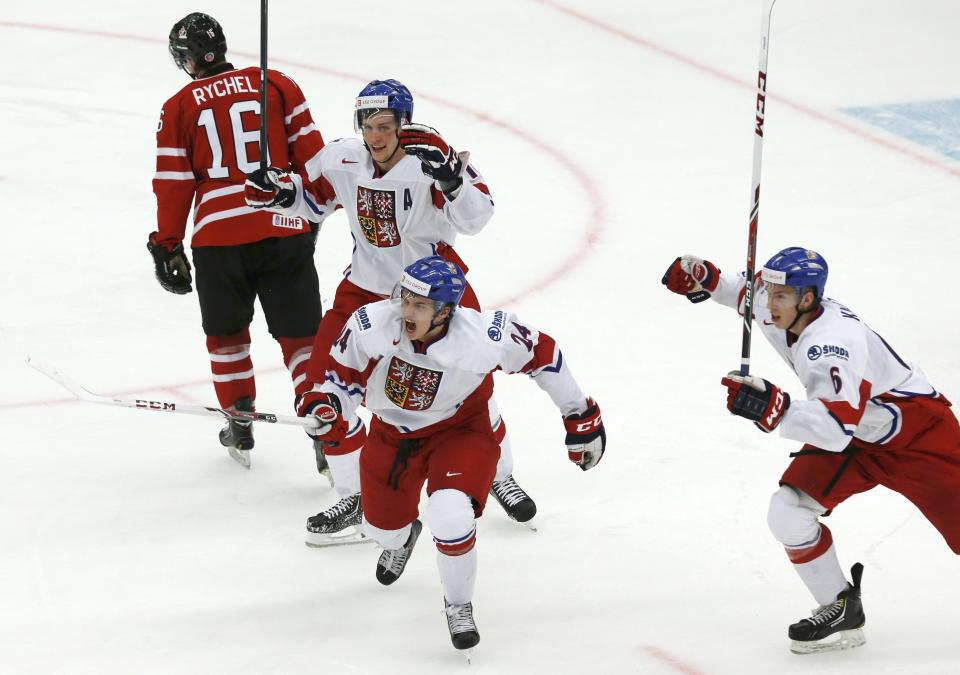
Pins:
x: 586, y: 440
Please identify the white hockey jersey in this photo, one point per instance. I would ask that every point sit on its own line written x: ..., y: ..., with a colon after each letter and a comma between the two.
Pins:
x: 412, y: 385
x: 395, y: 219
x: 852, y: 377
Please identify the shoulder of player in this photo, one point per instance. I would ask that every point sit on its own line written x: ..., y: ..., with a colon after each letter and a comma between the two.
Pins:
x: 376, y: 324
x: 344, y: 154
x: 833, y: 337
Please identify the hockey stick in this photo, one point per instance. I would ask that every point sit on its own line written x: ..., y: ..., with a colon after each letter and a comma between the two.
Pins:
x: 767, y: 10
x: 83, y: 394
x: 264, y: 149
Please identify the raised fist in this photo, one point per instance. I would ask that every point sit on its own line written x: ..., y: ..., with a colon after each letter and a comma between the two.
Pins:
x: 437, y: 159
x: 269, y: 188
x: 171, y: 266
x: 586, y: 440
x: 693, y: 277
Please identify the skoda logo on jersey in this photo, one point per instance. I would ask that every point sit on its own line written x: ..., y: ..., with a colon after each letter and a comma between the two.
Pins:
x: 494, y: 333
x: 814, y: 353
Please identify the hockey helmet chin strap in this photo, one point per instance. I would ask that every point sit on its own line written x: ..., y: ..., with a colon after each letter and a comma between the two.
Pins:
x: 813, y: 306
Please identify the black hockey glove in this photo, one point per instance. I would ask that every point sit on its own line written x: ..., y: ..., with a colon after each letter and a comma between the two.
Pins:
x: 756, y: 399
x: 269, y: 188
x: 172, y: 266
x: 437, y: 159
x: 586, y: 440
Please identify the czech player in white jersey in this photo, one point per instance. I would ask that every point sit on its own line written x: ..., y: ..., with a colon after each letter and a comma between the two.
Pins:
x: 869, y: 418
x: 423, y: 366
x: 407, y: 194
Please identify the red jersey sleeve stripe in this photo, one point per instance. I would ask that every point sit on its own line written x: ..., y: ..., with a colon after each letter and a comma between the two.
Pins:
x: 845, y: 413
x: 545, y: 354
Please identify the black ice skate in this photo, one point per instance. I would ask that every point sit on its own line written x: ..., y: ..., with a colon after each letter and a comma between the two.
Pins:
x: 463, y: 629
x: 514, y: 500
x: 338, y: 525
x: 323, y: 468
x: 836, y: 626
x: 392, y: 563
x: 237, y: 437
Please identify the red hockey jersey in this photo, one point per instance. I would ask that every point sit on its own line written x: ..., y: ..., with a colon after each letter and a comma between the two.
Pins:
x: 208, y: 140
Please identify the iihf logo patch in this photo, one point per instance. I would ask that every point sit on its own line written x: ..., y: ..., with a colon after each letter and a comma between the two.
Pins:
x: 494, y: 333
x: 814, y: 353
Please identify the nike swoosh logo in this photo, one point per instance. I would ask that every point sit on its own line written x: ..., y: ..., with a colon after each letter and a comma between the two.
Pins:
x: 767, y: 323
x: 396, y: 342
x: 450, y: 473
x: 347, y: 161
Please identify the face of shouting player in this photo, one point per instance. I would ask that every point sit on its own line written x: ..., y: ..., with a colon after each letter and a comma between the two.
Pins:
x: 381, y: 134
x: 420, y: 317
x: 784, y: 309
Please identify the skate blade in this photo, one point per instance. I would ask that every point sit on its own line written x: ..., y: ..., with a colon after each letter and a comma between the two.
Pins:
x: 468, y: 654
x: 242, y: 457
x: 345, y: 537
x: 845, y: 639
x: 530, y: 524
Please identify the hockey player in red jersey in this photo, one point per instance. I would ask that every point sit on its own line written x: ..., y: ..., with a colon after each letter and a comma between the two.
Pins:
x: 423, y: 367
x: 207, y: 141
x: 869, y: 419
x: 407, y: 194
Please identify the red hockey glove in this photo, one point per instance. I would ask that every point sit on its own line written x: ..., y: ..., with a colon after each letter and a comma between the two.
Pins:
x: 756, y: 399
x: 326, y: 408
x: 269, y: 188
x: 586, y: 440
x: 693, y: 277
x: 170, y: 266
x: 437, y: 159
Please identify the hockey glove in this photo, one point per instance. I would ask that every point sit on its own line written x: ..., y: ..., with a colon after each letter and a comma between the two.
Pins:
x: 586, y: 440
x: 171, y: 266
x: 269, y: 188
x: 326, y: 408
x: 437, y: 159
x: 691, y: 276
x: 756, y: 399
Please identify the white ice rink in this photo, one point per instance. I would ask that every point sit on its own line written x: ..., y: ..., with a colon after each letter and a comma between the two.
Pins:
x: 615, y: 135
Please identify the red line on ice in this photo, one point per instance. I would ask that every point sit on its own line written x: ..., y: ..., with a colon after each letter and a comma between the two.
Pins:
x: 835, y: 122
x: 668, y: 660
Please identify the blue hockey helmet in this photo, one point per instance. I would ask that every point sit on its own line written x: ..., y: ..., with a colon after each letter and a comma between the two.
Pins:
x: 797, y: 267
x: 435, y: 278
x: 382, y: 95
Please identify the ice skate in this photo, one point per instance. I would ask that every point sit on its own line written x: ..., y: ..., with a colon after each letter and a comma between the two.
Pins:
x: 237, y: 437
x: 832, y: 627
x: 517, y: 503
x: 463, y: 629
x: 337, y: 526
x: 392, y: 563
x: 323, y: 468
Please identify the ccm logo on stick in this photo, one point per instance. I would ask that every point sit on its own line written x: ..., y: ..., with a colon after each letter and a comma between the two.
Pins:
x: 156, y: 405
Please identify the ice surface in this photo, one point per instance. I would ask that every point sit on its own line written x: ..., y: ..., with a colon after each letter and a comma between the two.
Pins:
x: 615, y: 136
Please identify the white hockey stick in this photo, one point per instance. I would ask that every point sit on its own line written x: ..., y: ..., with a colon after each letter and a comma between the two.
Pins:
x: 766, y: 11
x: 83, y: 394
